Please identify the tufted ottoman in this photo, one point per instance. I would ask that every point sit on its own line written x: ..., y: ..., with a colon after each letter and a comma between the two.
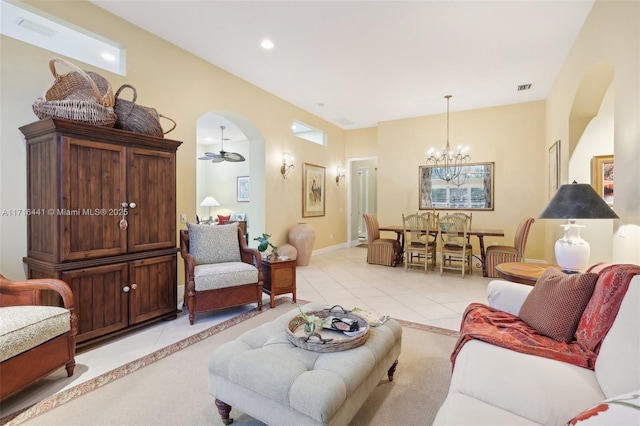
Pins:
x: 266, y: 376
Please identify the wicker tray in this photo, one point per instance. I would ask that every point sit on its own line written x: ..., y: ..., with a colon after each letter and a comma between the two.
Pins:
x: 325, y: 340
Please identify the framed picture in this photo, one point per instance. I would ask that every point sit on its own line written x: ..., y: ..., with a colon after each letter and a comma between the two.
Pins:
x: 313, y: 196
x: 554, y: 168
x: 243, y: 189
x: 472, y: 189
x: 602, y: 176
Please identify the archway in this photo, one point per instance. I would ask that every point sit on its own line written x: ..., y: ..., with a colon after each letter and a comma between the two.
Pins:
x: 220, y: 180
x: 591, y: 133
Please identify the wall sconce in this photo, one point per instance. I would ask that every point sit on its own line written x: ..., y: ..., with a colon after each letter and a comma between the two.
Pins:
x: 339, y: 175
x: 287, y: 164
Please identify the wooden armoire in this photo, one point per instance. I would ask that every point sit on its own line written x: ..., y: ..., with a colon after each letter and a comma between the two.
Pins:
x: 102, y: 217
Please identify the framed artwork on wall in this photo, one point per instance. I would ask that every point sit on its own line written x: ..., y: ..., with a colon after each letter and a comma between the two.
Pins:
x: 313, y: 185
x: 243, y: 189
x: 602, y: 176
x: 554, y: 168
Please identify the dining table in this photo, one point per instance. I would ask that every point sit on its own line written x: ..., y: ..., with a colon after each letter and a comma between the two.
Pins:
x: 480, y: 233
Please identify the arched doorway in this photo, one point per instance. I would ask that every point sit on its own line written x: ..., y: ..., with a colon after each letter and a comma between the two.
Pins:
x: 220, y: 180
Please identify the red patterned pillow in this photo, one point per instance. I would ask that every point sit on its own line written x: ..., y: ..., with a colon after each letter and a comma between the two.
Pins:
x: 555, y: 304
x: 223, y: 218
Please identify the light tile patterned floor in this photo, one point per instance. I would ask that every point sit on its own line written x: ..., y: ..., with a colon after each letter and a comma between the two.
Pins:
x: 340, y: 277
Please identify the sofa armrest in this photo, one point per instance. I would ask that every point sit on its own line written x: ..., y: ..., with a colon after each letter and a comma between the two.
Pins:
x: 507, y: 296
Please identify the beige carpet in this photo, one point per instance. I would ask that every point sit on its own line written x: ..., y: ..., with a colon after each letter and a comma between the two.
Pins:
x: 170, y: 387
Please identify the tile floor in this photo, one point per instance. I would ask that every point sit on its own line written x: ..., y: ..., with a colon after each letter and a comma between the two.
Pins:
x: 339, y: 277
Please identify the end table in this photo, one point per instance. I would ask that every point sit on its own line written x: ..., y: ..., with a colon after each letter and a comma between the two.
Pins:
x: 521, y: 272
x: 279, y: 277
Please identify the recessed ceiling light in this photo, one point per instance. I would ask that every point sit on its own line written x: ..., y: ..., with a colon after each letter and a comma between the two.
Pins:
x: 267, y: 44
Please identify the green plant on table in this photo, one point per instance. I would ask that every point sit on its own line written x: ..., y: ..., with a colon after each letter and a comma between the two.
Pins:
x: 310, y: 320
x: 265, y: 244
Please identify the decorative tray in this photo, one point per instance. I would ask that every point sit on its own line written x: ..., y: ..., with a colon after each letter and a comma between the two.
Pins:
x: 324, y: 339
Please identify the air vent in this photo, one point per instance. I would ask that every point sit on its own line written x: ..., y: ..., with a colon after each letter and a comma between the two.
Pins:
x: 344, y: 121
x: 524, y: 87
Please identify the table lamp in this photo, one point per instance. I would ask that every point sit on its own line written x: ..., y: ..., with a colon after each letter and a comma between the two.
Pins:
x: 575, y: 201
x: 209, y: 202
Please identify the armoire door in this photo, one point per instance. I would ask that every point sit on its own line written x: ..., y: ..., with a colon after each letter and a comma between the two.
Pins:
x: 153, y: 289
x: 100, y: 299
x: 93, y: 187
x: 151, y: 187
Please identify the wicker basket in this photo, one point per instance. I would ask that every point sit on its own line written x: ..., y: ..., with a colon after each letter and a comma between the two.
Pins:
x: 79, y: 85
x: 77, y: 96
x: 137, y: 118
x: 83, y: 111
x: 327, y: 340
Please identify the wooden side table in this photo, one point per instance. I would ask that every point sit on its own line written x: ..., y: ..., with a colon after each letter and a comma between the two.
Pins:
x: 279, y: 278
x: 523, y: 273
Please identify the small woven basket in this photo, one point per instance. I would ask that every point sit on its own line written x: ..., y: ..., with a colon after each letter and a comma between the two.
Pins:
x: 137, y: 118
x: 327, y: 340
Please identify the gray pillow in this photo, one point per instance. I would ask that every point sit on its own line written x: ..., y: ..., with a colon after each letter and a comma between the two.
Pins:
x: 214, y: 243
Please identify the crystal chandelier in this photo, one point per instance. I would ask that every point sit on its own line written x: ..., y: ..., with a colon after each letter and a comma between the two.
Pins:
x: 447, y: 164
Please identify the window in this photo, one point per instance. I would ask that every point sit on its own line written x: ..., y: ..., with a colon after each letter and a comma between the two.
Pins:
x: 307, y: 132
x: 32, y: 26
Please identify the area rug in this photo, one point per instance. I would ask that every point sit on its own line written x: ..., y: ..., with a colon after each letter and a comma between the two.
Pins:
x: 170, y: 386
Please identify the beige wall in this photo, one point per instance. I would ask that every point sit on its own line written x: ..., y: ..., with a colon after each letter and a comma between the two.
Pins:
x: 515, y: 137
x: 611, y: 35
x: 182, y: 87
x: 510, y: 136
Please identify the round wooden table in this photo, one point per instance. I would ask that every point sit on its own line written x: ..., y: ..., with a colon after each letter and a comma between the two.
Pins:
x: 523, y: 273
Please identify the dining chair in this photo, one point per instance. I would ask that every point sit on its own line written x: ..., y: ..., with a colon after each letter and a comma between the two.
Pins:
x: 380, y: 251
x: 496, y: 255
x: 417, y: 250
x: 468, y: 217
x: 431, y: 235
x: 456, y: 252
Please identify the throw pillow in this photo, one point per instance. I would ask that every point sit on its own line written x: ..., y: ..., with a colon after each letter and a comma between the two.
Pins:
x: 223, y: 218
x: 214, y: 243
x: 556, y: 302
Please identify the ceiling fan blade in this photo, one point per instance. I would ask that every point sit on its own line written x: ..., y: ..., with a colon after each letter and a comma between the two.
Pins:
x: 233, y: 157
x: 217, y: 159
x: 204, y: 158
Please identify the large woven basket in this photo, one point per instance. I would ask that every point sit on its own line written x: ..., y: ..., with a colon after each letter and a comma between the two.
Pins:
x: 79, y: 85
x: 137, y: 118
x: 77, y: 96
x: 327, y: 340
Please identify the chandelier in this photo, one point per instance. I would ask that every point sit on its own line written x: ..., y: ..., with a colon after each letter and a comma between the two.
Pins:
x: 448, y: 165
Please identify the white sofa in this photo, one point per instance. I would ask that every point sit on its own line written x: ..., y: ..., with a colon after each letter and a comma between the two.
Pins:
x: 492, y: 385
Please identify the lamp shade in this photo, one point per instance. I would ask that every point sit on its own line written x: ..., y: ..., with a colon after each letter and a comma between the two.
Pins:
x: 209, y: 202
x: 577, y: 201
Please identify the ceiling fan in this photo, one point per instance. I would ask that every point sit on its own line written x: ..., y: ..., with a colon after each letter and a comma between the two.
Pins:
x: 223, y: 155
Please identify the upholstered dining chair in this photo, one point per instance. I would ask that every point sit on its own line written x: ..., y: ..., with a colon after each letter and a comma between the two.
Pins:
x: 221, y: 271
x: 380, y: 251
x: 496, y: 255
x: 455, y: 251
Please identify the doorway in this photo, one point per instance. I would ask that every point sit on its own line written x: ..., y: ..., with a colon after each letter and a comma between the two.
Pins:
x: 362, y: 196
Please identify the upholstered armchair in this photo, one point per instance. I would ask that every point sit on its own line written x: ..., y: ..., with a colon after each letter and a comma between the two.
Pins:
x: 35, y: 340
x: 504, y: 254
x: 380, y: 251
x: 221, y: 271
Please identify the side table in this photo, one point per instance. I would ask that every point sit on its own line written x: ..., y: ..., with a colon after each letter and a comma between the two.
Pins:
x: 521, y: 272
x: 279, y: 278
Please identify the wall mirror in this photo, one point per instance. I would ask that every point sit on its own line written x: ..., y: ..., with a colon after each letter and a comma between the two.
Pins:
x: 472, y: 190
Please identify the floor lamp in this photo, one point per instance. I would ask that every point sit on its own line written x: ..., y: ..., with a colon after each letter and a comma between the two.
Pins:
x: 575, y: 201
x: 209, y: 202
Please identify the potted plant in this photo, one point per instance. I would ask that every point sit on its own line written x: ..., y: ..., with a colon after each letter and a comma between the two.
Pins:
x: 265, y: 244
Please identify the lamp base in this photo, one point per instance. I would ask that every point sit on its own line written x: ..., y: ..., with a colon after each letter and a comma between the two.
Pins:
x: 572, y: 252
